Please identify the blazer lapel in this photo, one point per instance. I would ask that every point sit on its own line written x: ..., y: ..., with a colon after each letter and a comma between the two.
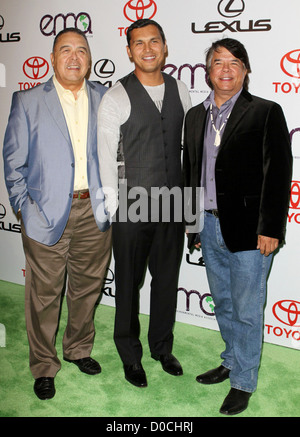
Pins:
x: 55, y: 108
x: 93, y: 110
x: 240, y: 108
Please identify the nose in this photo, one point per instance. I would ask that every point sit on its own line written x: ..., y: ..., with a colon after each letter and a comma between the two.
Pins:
x: 226, y: 66
x: 74, y: 55
x: 147, y: 47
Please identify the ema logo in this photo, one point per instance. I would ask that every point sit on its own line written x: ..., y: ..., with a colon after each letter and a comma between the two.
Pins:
x: 51, y: 25
x: 206, y: 303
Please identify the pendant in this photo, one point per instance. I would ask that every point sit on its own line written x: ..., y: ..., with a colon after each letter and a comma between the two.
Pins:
x: 217, y: 138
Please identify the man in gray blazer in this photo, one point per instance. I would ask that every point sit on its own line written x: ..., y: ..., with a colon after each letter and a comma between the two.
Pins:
x: 53, y: 180
x: 237, y: 147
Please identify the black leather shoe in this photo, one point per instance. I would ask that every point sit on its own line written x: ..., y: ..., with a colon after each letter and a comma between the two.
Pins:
x: 235, y: 402
x: 44, y: 388
x: 169, y: 363
x: 214, y: 376
x: 135, y: 374
x: 87, y: 365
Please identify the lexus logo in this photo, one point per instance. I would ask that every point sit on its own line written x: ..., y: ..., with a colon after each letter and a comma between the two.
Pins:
x: 2, y: 211
x: 287, y: 312
x: 35, y: 67
x: 290, y: 64
x: 104, y: 68
x: 231, y: 8
x: 137, y: 9
x: 110, y: 277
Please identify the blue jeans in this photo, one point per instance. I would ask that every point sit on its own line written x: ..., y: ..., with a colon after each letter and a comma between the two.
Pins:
x: 237, y: 283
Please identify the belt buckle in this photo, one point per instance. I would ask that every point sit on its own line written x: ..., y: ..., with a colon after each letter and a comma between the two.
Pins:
x: 215, y: 213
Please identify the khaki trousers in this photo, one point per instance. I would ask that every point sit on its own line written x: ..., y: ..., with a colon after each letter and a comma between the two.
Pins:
x: 83, y: 254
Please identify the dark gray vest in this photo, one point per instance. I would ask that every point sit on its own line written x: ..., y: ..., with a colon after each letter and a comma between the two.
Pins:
x: 150, y: 143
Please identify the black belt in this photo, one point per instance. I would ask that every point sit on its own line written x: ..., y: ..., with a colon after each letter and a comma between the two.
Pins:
x: 214, y: 212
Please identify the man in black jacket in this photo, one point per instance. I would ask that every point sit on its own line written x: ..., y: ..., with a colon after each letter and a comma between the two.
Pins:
x: 237, y: 147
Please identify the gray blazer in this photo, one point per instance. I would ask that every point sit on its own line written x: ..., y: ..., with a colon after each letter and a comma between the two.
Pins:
x: 39, y: 161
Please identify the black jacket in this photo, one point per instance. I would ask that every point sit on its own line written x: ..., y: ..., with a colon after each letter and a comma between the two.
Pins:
x: 253, y: 170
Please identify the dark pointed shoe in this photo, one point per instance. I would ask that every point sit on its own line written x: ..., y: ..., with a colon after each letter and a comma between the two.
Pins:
x: 135, y: 374
x: 235, y: 402
x: 87, y: 365
x: 214, y: 376
x: 169, y: 363
x: 44, y: 388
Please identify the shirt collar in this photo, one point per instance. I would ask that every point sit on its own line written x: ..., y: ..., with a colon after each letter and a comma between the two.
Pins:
x: 211, y: 100
x: 61, y: 90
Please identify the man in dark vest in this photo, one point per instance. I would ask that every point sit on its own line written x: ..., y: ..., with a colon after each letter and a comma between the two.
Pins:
x: 139, y: 147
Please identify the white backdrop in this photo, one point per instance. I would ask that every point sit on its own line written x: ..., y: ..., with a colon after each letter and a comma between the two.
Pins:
x: 269, y: 29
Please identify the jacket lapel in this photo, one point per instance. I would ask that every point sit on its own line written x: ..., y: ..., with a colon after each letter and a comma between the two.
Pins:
x: 240, y: 108
x: 55, y: 108
x: 93, y: 109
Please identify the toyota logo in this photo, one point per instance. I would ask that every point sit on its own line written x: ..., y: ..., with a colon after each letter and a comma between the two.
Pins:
x: 287, y: 312
x: 231, y: 8
x: 136, y: 9
x: 290, y: 64
x: 295, y: 195
x: 35, y: 67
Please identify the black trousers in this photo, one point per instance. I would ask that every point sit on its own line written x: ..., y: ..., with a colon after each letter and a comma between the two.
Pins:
x: 136, y: 246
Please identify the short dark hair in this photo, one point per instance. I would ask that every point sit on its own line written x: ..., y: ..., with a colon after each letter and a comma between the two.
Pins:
x: 142, y: 23
x: 70, y: 29
x: 236, y: 48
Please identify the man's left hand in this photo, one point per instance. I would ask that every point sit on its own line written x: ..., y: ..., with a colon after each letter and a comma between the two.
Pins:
x: 267, y: 245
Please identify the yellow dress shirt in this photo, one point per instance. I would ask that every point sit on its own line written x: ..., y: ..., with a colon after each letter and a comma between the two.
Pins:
x: 76, y: 114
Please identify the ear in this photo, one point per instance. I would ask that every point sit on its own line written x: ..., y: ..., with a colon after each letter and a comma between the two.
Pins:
x: 52, y: 59
x: 128, y: 52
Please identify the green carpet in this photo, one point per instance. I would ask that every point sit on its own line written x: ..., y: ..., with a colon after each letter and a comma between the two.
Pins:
x: 110, y: 395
